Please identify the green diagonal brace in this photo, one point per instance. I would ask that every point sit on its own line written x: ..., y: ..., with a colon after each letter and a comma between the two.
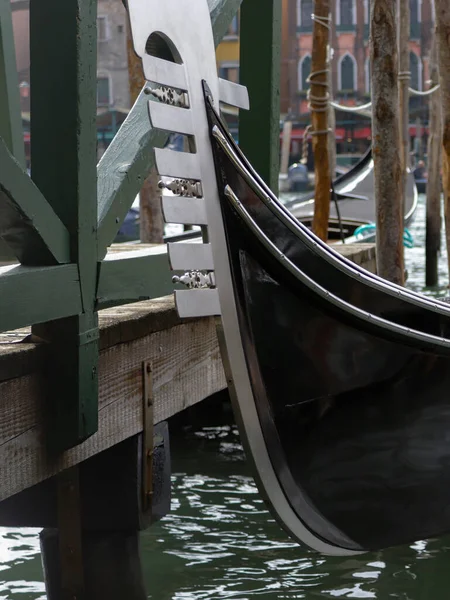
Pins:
x: 63, y: 41
x: 10, y: 118
x: 129, y: 158
x: 28, y: 224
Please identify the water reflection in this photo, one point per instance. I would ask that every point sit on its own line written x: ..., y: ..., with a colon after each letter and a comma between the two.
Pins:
x: 220, y: 543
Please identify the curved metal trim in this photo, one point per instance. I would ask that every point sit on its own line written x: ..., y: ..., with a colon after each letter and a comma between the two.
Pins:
x: 315, y: 244
x: 404, y: 334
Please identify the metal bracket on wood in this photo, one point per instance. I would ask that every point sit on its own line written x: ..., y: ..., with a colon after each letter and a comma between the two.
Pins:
x: 147, y: 454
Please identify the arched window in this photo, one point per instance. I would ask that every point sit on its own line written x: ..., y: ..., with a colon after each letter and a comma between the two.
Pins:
x: 305, y: 9
x: 415, y: 66
x: 346, y: 10
x: 347, y: 72
x: 368, y: 76
x: 304, y: 70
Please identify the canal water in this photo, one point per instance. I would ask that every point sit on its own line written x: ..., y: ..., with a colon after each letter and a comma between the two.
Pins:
x: 219, y: 542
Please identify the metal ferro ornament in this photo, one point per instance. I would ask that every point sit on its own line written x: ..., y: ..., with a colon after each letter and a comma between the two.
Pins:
x: 175, y: 25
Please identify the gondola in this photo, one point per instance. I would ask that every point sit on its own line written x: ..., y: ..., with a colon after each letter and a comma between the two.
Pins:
x: 339, y: 380
x: 353, y: 204
x: 340, y: 369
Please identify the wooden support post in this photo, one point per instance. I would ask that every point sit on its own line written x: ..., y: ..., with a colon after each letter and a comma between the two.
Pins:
x: 332, y: 129
x: 10, y: 118
x: 433, y: 220
x: 63, y: 43
x: 385, y: 140
x: 151, y: 223
x: 404, y: 78
x: 319, y: 97
x: 259, y: 128
x: 442, y: 37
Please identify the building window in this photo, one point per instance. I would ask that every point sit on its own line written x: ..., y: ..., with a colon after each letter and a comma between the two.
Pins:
x: 233, y: 28
x: 415, y: 66
x: 229, y: 71
x: 346, y: 12
x: 347, y: 73
x: 366, y: 12
x: 368, y: 76
x: 414, y: 7
x: 305, y: 10
x: 103, y: 91
x: 304, y: 71
x: 102, y: 28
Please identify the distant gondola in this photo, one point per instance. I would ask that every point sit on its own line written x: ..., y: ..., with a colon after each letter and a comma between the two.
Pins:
x: 356, y: 201
x: 341, y: 394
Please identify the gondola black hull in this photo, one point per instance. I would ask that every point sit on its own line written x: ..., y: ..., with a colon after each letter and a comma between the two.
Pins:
x: 349, y: 377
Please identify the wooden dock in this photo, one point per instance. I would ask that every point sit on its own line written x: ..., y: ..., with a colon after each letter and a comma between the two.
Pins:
x: 186, y: 364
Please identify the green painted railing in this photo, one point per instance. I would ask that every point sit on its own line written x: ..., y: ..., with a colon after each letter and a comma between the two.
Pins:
x: 60, y: 222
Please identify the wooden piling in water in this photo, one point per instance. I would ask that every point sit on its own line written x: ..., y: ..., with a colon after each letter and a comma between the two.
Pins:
x: 319, y: 98
x: 442, y: 37
x: 404, y: 78
x: 151, y: 223
x: 433, y: 218
x: 385, y: 140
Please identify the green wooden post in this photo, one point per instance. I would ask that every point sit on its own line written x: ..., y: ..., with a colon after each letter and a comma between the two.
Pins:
x: 63, y: 41
x: 10, y: 118
x: 259, y: 128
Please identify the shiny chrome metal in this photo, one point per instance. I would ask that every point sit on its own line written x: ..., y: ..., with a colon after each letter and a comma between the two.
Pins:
x: 164, y: 72
x: 431, y: 342
x: 169, y: 96
x: 196, y: 280
x: 178, y: 22
x: 181, y: 165
x: 197, y: 303
x: 183, y: 187
x: 171, y: 118
x: 233, y: 94
x: 187, y: 211
x: 325, y: 251
x: 183, y: 257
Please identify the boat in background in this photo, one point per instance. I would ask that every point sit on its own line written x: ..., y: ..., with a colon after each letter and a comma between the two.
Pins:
x: 353, y: 204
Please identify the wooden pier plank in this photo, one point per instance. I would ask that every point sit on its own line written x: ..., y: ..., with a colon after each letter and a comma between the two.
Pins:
x: 187, y: 368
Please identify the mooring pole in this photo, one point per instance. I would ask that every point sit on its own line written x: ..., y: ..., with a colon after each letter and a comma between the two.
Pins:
x: 442, y: 37
x: 404, y: 77
x: 319, y: 100
x: 151, y: 223
x: 385, y: 140
x: 433, y: 220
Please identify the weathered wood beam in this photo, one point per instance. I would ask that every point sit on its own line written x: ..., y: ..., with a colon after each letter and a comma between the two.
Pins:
x: 28, y: 224
x: 10, y: 118
x: 187, y: 368
x: 36, y: 294
x: 385, y: 140
x: 63, y: 44
x: 129, y: 158
x: 134, y: 276
x: 259, y: 128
